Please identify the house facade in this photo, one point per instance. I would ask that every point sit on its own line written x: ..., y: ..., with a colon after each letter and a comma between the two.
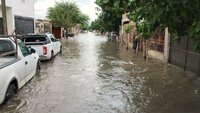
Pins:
x: 20, y: 16
x: 43, y: 26
x: 157, y: 46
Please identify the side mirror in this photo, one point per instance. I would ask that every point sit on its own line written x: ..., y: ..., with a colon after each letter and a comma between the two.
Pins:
x: 32, y: 51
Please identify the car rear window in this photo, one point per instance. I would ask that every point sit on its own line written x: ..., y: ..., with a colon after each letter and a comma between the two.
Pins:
x: 35, y: 39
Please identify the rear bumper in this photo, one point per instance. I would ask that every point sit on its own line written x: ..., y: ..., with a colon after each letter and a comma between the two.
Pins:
x: 42, y: 57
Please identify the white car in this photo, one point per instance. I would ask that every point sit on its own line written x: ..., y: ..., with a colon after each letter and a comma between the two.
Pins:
x: 46, y: 45
x: 18, y: 65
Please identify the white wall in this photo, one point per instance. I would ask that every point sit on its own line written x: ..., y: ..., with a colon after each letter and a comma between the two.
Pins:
x: 24, y: 8
x: 21, y: 7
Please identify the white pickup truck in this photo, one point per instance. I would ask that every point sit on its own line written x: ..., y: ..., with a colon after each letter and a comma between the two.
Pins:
x: 18, y: 65
x: 46, y: 45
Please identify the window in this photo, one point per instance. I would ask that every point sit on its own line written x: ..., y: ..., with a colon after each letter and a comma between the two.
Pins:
x: 24, y: 49
x: 35, y: 39
x: 52, y: 39
x: 6, y: 46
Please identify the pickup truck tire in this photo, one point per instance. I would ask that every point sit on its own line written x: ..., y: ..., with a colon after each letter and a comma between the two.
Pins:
x: 52, y: 55
x: 11, y: 91
x: 38, y: 68
x: 60, y: 49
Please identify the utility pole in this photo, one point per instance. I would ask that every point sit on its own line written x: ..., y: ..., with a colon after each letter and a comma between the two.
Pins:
x: 5, y: 27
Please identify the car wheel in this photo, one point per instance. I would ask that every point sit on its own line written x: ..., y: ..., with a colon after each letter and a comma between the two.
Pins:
x: 11, y: 91
x: 38, y: 68
x: 60, y: 49
x: 52, y: 54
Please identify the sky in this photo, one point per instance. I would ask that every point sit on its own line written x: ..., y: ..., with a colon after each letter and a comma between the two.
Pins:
x: 86, y: 7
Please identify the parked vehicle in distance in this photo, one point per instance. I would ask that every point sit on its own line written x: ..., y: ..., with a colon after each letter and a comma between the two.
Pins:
x: 46, y: 45
x: 71, y: 34
x: 18, y: 64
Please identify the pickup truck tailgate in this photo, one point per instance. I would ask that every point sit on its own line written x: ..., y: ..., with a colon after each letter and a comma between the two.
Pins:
x: 38, y: 48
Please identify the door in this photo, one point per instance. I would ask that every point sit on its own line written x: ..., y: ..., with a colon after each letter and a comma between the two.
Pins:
x: 30, y: 60
x: 55, y: 45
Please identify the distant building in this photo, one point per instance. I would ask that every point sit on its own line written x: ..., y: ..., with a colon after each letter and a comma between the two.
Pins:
x: 124, y: 36
x: 43, y: 26
x: 20, y: 15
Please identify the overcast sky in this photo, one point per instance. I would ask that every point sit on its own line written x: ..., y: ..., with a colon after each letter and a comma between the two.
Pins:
x: 86, y: 7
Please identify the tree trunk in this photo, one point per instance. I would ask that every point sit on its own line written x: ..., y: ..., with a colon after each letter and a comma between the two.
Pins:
x: 66, y: 28
x: 144, y: 49
x: 127, y: 41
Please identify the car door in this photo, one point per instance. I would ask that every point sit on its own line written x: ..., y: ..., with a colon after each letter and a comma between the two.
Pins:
x: 55, y: 45
x: 30, y: 60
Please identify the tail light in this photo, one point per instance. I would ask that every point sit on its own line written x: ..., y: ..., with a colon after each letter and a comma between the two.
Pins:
x: 45, y: 50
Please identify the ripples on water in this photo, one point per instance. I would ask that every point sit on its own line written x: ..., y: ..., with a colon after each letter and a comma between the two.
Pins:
x: 94, y: 75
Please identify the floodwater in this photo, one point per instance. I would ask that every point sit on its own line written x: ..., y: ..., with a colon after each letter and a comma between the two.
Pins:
x: 95, y: 75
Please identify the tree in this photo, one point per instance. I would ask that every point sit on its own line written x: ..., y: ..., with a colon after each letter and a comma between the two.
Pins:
x: 84, y: 27
x: 111, y: 15
x: 83, y: 20
x: 181, y: 17
x: 66, y: 14
x: 97, y: 25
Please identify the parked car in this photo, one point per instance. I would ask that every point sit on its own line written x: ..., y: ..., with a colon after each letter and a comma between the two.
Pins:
x: 18, y: 64
x: 71, y: 34
x: 46, y: 45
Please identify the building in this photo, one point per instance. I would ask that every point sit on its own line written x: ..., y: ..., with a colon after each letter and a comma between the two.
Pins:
x: 43, y: 26
x: 127, y: 38
x: 20, y: 16
x: 156, y: 46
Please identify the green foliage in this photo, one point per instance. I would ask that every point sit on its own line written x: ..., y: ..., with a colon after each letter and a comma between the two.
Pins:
x: 84, y: 27
x: 144, y: 28
x: 127, y: 28
x: 97, y: 25
x: 180, y: 16
x: 111, y: 14
x: 66, y: 14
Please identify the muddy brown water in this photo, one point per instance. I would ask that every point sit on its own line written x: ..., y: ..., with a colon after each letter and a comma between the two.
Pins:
x: 95, y: 75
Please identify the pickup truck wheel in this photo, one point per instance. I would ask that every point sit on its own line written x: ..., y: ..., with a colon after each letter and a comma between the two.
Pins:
x: 52, y: 54
x: 11, y: 91
x: 38, y: 67
x: 60, y: 49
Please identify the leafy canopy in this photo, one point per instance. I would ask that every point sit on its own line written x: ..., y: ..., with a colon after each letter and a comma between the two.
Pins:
x: 66, y: 14
x: 111, y: 14
x: 182, y: 17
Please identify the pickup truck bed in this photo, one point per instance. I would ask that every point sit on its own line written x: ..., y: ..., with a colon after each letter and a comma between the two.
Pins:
x: 6, y: 61
x: 46, y: 45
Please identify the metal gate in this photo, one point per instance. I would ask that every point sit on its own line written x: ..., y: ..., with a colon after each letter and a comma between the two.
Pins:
x: 183, y: 55
x: 1, y: 27
x: 24, y: 25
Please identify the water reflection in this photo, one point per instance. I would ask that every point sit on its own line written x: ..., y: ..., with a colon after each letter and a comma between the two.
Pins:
x: 94, y: 75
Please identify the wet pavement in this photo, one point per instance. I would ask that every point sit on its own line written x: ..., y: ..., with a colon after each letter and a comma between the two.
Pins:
x: 94, y: 75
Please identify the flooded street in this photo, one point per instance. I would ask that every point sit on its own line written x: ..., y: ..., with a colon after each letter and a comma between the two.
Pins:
x: 94, y: 75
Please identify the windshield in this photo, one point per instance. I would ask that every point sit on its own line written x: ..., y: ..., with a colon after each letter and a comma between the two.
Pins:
x: 35, y: 39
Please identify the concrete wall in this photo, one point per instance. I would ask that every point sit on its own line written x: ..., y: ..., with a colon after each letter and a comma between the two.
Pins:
x: 159, y: 55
